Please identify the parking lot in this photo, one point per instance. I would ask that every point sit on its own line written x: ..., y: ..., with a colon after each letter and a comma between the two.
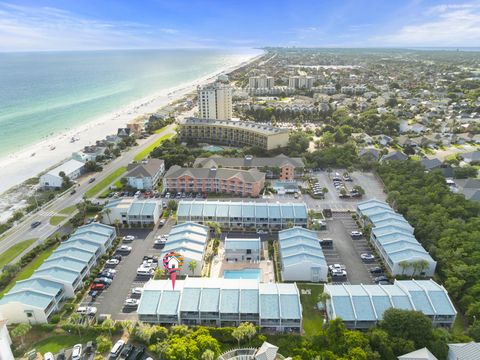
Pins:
x: 346, y: 251
x: 111, y: 300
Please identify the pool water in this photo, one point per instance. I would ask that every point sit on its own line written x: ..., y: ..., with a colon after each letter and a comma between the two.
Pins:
x: 213, y: 148
x: 254, y: 274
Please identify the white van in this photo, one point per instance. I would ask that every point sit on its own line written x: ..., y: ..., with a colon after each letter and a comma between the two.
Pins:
x: 117, y: 349
x: 144, y: 271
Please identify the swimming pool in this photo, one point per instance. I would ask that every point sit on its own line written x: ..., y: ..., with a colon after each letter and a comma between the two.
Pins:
x: 213, y: 148
x: 254, y: 274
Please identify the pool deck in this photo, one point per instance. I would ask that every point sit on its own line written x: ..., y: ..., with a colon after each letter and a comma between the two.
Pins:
x: 219, y: 265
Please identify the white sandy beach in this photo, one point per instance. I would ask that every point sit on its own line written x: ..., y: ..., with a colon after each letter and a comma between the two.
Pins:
x: 21, y: 165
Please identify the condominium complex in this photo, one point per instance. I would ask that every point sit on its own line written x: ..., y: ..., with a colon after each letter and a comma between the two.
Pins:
x: 363, y: 306
x: 394, y: 240
x: 301, y: 82
x: 280, y: 166
x: 261, y: 82
x: 214, y: 180
x: 215, y: 101
x: 244, y: 215
x: 233, y: 133
x: 353, y: 90
x: 222, y: 302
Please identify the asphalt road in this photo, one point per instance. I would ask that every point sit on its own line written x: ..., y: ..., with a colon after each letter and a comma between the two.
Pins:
x: 23, y: 231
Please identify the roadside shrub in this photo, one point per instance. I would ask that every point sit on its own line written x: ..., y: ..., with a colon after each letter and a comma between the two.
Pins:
x: 54, y: 319
x: 103, y: 343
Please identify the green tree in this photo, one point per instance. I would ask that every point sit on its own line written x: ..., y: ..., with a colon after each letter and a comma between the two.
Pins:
x: 20, y: 331
x: 408, y: 325
x: 159, y: 273
x: 104, y: 343
x: 404, y: 264
x: 192, y: 265
x: 108, y: 211
x: 208, y: 355
x: 172, y: 205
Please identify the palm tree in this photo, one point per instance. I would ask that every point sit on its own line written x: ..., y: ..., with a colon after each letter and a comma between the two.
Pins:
x: 108, y: 211
x: 323, y: 297
x: 20, y: 331
x: 416, y: 266
x: 192, y: 265
x: 404, y: 264
x: 423, y: 264
x: 208, y: 355
x: 117, y: 224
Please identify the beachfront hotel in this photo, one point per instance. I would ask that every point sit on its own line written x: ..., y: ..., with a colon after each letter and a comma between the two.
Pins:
x: 214, y: 180
x: 222, y: 302
x: 215, y: 101
x: 301, y: 82
x: 233, y: 133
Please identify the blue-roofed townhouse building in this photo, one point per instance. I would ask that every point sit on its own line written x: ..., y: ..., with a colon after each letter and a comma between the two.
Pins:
x: 34, y: 300
x: 394, y: 239
x: 222, y: 302
x: 363, y: 306
x: 133, y: 212
x: 190, y: 240
x: 301, y: 256
x: 237, y: 215
x: 242, y: 249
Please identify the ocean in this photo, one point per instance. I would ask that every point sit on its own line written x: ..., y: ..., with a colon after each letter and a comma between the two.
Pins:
x: 45, y: 93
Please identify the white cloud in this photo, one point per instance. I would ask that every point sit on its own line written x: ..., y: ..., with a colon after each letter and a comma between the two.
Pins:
x: 443, y: 25
x: 24, y: 28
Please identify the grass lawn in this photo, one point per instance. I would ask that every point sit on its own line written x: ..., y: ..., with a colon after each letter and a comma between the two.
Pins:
x: 312, y: 318
x: 57, y: 342
x: 14, y: 251
x: 29, y: 269
x: 55, y: 220
x: 144, y: 153
x: 68, y: 210
x: 94, y: 190
x: 158, y: 131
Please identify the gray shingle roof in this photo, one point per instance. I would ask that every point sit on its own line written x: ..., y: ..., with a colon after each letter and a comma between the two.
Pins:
x: 251, y: 175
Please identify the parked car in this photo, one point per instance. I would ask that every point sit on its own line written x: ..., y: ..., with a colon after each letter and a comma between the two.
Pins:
x: 73, y: 192
x: 367, y: 256
x: 89, y: 348
x: 87, y: 310
x: 112, y: 262
x: 384, y: 282
x: 136, y: 292
x: 106, y: 274
x: 127, y: 350
x: 97, y: 286
x: 77, y: 352
x: 35, y: 224
x: 380, y: 278
x: 356, y: 234
x: 138, y: 353
x: 128, y: 238
x: 91, y: 180
x: 132, y: 303
x: 117, y: 257
x: 161, y: 222
x: 339, y: 273
x: 337, y: 267
x: 124, y: 249
x: 103, y: 280
x: 117, y: 349
x: 159, y: 243
x: 48, y: 356
x: 61, y: 354
x: 376, y: 270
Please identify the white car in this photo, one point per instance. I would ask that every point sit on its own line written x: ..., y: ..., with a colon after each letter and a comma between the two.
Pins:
x: 337, y: 267
x: 356, y: 234
x: 48, y: 356
x: 137, y: 291
x: 339, y: 273
x: 111, y: 271
x: 128, y: 238
x: 77, y: 352
x: 132, y: 302
x: 87, y: 310
x: 112, y: 262
x: 367, y: 256
x: 125, y: 248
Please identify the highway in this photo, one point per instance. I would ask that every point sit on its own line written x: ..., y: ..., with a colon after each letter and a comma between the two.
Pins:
x: 23, y: 231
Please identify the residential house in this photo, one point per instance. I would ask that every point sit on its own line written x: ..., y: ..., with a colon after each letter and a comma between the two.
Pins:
x: 421, y: 354
x: 470, y: 188
x: 145, y: 175
x: 370, y: 154
x: 132, y: 212
x: 124, y: 132
x: 52, y: 179
x: 394, y: 156
x: 471, y: 157
x: 242, y: 249
x: 464, y: 351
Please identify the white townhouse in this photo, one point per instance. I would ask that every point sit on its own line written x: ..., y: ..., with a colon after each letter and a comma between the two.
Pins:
x: 52, y: 179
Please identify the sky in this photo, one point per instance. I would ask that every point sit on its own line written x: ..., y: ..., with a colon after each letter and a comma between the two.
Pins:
x: 43, y: 25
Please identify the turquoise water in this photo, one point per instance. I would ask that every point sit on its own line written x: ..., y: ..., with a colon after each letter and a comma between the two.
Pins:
x: 45, y: 93
x: 254, y: 274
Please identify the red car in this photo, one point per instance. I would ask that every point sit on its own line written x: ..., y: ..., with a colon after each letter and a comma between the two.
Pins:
x: 97, y: 287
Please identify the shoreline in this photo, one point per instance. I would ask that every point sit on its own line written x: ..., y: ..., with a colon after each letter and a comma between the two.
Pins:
x: 21, y: 165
